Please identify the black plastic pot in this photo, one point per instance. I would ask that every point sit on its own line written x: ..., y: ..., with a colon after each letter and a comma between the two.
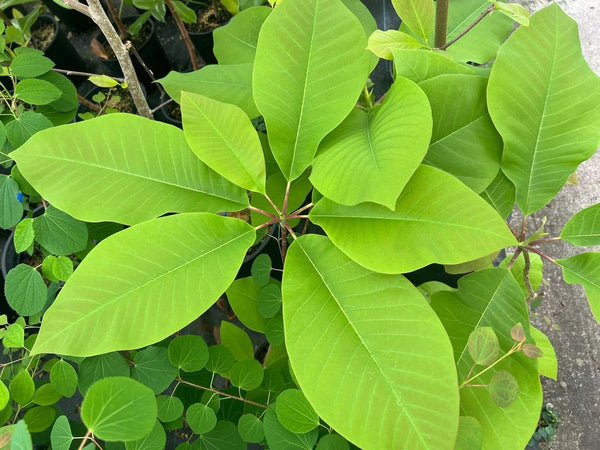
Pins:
x: 150, y: 51
x: 88, y: 96
x: 164, y: 115
x: 73, y: 20
x: 204, y: 44
x: 59, y: 49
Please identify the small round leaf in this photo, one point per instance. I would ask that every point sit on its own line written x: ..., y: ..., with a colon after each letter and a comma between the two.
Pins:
x: 15, y: 336
x: 247, y: 374
x: 155, y: 440
x: 119, y: 409
x: 518, y: 333
x: 483, y: 346
x: 39, y: 418
x: 21, y: 387
x: 274, y: 330
x: 269, y: 301
x: 188, y: 352
x: 295, y: 412
x: 25, y: 290
x: 46, y: 395
x: 24, y: 235
x: 532, y: 351
x: 225, y: 436
x: 261, y: 269
x: 333, y: 442
x: 503, y: 389
x: 201, y: 418
x: 153, y: 368
x: 169, y: 408
x: 63, y: 378
x: 61, y: 435
x: 220, y: 359
x: 251, y: 428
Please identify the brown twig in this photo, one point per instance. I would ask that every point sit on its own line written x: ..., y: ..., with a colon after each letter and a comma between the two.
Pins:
x: 224, y: 394
x: 88, y: 104
x: 123, y: 32
x: 441, y: 23
x: 526, y: 279
x: 514, y: 258
x: 542, y: 254
x: 80, y: 7
x: 85, y: 74
x: 466, y: 30
x: 184, y: 34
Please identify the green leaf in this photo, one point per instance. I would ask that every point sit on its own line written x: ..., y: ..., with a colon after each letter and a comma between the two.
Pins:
x: 103, y: 81
x: 227, y: 84
x: 584, y: 269
x: 372, y: 155
x: 236, y: 341
x: 169, y: 408
x: 220, y: 359
x: 24, y: 235
x: 155, y: 440
x: 421, y: 65
x: 333, y: 442
x: 48, y: 268
x: 379, y: 329
x: 119, y: 409
x: 547, y: 364
x: 279, y: 438
x: 465, y: 142
x: 381, y: 43
x: 26, y: 125
x: 424, y: 228
x: 21, y: 387
x: 470, y: 434
x: 188, y: 352
x: 62, y: 268
x: 25, y: 290
x: 233, y: 152
x: 224, y: 436
x: 503, y: 388
x: 30, y: 64
x: 77, y: 167
x: 321, y: 67
x: 63, y: 378
x: 243, y: 298
x: 59, y: 233
x: 39, y: 418
x: 492, y: 298
x: 481, y: 43
x: 516, y: 12
x: 500, y: 194
x: 4, y: 395
x: 99, y: 367
x: 295, y: 413
x: 21, y: 439
x: 169, y: 259
x: 37, y: 92
x: 153, y: 368
x: 247, y: 374
x: 14, y: 337
x: 558, y: 127
x: 12, y: 209
x: 269, y: 301
x: 235, y: 42
x: 418, y: 15
x: 201, y: 418
x: 583, y: 229
x: 274, y: 330
x: 483, y: 346
x: 251, y: 428
x: 61, y: 435
x: 46, y: 395
x: 261, y: 269
x: 187, y: 14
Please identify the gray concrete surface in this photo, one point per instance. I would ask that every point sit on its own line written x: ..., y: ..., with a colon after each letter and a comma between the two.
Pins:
x: 564, y: 314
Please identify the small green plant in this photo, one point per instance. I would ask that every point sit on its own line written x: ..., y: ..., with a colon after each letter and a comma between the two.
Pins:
x: 476, y: 119
x: 547, y: 426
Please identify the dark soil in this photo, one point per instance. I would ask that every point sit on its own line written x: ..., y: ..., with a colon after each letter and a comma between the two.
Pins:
x: 102, y: 49
x: 42, y: 34
x: 173, y: 110
x: 209, y: 18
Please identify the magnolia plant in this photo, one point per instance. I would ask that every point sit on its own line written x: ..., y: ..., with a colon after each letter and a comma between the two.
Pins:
x: 426, y: 174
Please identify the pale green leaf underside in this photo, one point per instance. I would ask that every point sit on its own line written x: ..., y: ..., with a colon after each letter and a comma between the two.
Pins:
x: 123, y: 168
x: 547, y: 364
x: 372, y: 155
x: 418, y: 15
x: 307, y: 79
x: 144, y: 283
x: 545, y: 102
x: 584, y: 269
x: 500, y: 194
x: 226, y: 83
x: 464, y: 141
x: 583, y: 228
x: 382, y: 43
x: 492, y: 298
x: 367, y: 351
x: 224, y: 139
x: 421, y: 65
x: 437, y: 219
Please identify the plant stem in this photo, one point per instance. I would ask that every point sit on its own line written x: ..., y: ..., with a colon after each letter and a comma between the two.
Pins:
x: 88, y: 104
x: 116, y: 19
x: 80, y: 7
x: 542, y: 254
x: 263, y: 212
x: 514, y: 258
x: 283, y: 242
x: 101, y: 19
x: 304, y: 208
x: 162, y: 105
x: 266, y: 224
x: 84, y: 440
x: 510, y: 352
x: 277, y: 210
x: 224, y: 394
x: 286, y: 198
x: 85, y: 74
x: 466, y: 30
x: 526, y: 279
x: 441, y: 23
x: 184, y: 34
x: 545, y: 240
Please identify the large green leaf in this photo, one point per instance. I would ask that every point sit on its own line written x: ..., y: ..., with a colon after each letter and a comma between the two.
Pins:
x: 500, y: 194
x: 545, y: 102
x: 142, y: 284
x: 584, y: 269
x: 122, y: 168
x: 583, y: 228
x: 243, y: 297
x: 437, y: 219
x: 235, y: 43
x: 418, y: 15
x: 421, y: 65
x: 481, y: 43
x: 465, y: 142
x: 229, y: 84
x: 372, y: 155
x: 492, y: 298
x: 234, y: 152
x: 368, y: 352
x: 307, y: 79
